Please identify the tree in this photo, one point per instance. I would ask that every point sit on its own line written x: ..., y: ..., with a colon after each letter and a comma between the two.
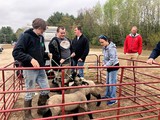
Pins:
x: 19, y: 32
x: 60, y: 19
x: 7, y: 35
x: 54, y: 19
x: 115, y: 19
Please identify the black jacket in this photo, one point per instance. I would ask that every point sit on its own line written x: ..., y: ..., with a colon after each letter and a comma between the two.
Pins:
x: 54, y: 48
x: 30, y: 46
x: 80, y: 47
x: 156, y: 51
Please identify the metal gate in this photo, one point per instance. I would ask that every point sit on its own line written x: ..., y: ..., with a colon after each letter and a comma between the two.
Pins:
x: 138, y: 92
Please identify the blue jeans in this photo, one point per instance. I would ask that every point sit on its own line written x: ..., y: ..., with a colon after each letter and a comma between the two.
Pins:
x: 31, y: 78
x: 111, y: 79
x: 79, y: 63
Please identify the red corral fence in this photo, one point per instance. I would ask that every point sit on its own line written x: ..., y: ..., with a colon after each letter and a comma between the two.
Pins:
x: 138, y: 92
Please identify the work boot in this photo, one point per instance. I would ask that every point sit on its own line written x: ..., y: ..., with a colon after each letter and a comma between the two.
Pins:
x: 27, y: 113
x: 41, y: 102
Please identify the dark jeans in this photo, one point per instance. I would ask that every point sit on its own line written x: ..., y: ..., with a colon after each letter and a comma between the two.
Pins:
x: 78, y: 63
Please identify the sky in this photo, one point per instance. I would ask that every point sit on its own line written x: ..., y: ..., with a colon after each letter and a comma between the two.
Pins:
x: 19, y: 13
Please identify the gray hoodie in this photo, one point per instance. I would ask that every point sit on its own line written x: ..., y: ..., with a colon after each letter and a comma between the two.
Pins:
x: 110, y: 55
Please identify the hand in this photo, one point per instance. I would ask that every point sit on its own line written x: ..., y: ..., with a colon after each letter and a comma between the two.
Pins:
x: 73, y: 54
x: 103, y: 64
x: 150, y: 61
x: 102, y: 69
x: 35, y: 63
x: 62, y: 61
x: 80, y: 60
x: 50, y: 55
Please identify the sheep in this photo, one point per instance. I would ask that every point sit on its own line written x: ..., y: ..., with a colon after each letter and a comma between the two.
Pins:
x: 57, y: 83
x: 72, y: 97
x: 77, y: 81
x: 87, y: 91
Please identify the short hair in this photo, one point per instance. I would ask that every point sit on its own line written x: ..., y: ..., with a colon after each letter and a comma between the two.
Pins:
x: 79, y: 28
x: 60, y: 27
x: 134, y: 27
x: 39, y: 23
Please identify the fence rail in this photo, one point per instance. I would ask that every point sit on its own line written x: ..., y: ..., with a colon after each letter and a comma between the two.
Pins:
x: 138, y: 91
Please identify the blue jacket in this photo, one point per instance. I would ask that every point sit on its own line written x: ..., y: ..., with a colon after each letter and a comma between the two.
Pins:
x: 110, y: 55
x: 156, y: 51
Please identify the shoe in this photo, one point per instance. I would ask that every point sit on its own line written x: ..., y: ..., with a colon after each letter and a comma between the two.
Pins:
x: 111, y: 103
x: 82, y: 78
x: 27, y: 113
x: 41, y: 102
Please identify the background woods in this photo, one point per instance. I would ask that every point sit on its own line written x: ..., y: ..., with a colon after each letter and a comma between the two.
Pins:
x: 114, y: 19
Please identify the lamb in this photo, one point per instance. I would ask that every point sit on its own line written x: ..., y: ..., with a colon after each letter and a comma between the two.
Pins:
x: 87, y: 91
x: 57, y: 83
x: 77, y: 81
x: 72, y: 97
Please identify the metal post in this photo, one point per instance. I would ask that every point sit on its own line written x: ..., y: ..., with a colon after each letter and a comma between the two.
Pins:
x: 120, y: 92
x: 14, y: 82
x: 97, y: 69
x: 134, y: 78
x: 4, y: 97
x: 63, y: 97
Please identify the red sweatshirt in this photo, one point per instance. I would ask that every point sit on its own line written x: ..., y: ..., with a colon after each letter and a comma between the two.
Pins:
x: 133, y: 44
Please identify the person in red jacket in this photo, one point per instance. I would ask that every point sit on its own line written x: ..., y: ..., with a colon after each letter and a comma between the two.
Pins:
x: 133, y: 45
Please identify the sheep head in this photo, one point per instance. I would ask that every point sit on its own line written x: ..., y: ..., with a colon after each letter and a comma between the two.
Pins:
x: 58, y: 82
x: 79, y: 82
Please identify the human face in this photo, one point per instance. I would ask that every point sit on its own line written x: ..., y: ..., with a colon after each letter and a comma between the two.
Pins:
x: 134, y: 30
x: 103, y: 42
x: 77, y: 32
x: 39, y: 31
x: 61, y: 34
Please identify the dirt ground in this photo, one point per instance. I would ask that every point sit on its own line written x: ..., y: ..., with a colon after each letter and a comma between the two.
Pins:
x: 6, y: 58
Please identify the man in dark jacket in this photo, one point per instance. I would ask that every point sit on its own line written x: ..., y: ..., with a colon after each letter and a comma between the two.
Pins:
x: 60, y: 47
x: 80, y: 49
x: 155, y: 53
x: 30, y: 51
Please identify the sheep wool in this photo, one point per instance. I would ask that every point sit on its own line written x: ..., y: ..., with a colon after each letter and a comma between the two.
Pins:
x: 88, y: 91
x: 72, y: 97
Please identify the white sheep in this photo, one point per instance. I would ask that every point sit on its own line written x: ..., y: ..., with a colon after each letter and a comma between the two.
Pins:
x: 72, y: 97
x: 87, y: 91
